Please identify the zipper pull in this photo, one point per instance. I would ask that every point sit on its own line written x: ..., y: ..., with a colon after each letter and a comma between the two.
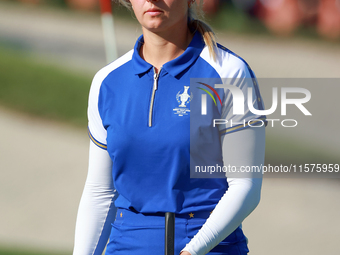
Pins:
x: 155, y: 78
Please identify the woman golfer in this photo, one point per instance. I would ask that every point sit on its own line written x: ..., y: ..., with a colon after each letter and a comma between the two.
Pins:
x: 153, y: 116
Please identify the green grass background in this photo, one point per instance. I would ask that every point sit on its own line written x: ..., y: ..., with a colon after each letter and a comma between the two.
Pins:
x: 42, y: 89
x: 20, y: 251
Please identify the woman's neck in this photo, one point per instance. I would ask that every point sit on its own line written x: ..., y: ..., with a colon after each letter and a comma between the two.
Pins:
x: 160, y: 48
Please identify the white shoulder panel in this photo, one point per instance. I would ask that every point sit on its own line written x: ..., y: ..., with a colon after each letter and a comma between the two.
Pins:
x: 97, y: 132
x: 233, y: 70
x: 227, y: 64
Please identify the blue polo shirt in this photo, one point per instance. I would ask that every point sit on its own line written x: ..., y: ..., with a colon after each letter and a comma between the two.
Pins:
x: 147, y: 131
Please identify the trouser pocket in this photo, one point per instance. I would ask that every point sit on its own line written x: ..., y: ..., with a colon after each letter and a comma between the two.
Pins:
x: 234, y: 244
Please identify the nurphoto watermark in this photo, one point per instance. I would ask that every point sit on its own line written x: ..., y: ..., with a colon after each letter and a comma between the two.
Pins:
x: 300, y: 109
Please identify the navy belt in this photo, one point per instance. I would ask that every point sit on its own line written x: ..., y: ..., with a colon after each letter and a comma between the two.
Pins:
x: 124, y: 215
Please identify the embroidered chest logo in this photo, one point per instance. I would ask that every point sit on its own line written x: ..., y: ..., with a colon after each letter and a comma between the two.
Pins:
x: 183, y: 99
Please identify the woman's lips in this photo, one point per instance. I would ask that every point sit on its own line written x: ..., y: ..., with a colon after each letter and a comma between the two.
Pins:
x: 154, y: 11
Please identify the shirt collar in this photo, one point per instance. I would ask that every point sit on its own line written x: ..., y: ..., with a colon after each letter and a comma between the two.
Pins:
x: 175, y: 66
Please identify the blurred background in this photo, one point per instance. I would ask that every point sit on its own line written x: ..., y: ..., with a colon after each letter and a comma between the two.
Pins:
x: 51, y: 49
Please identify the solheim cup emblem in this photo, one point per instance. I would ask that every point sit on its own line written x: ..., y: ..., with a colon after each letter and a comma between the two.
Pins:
x: 183, y: 99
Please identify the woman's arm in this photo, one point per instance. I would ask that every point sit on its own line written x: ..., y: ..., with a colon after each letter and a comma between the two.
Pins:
x: 243, y: 148
x: 96, y: 210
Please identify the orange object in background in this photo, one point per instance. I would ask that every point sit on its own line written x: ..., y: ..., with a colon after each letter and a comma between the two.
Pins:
x: 282, y: 17
x: 85, y: 5
x: 329, y: 19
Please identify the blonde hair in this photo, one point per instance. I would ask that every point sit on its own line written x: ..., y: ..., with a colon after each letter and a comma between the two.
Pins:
x: 196, y: 23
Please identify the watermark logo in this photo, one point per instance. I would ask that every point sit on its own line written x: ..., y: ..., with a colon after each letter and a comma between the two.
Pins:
x: 204, y: 97
x: 293, y: 110
x: 239, y: 99
x: 242, y: 102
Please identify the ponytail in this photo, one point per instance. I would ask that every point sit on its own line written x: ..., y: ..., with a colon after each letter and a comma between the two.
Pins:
x: 196, y: 23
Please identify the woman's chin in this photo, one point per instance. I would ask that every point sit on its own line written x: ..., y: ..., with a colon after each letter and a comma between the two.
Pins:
x: 154, y: 28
